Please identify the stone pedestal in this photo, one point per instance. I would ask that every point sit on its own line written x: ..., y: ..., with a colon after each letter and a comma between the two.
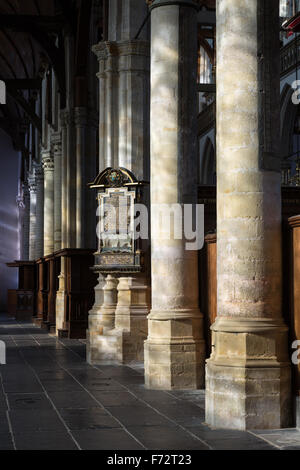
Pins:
x: 101, y: 346
x: 174, y: 350
x: 248, y: 373
x: 131, y: 319
x: 60, y: 297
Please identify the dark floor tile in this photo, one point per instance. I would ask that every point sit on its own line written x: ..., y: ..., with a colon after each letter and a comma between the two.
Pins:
x: 28, y: 401
x: 58, y: 380
x: 229, y: 440
x: 131, y: 380
x: 102, y: 384
x: 75, y: 400
x: 168, y: 438
x: 22, y: 385
x: 45, y: 441
x: 118, y: 371
x: 3, y: 402
x: 115, y: 398
x: 86, y: 375
x: 106, y: 439
x: 4, y: 428
x: 35, y: 420
x: 61, y: 386
x: 240, y: 444
x: 138, y: 415
x: 185, y: 414
x: 25, y: 344
x: 94, y: 418
x: 156, y: 396
x: 6, y: 442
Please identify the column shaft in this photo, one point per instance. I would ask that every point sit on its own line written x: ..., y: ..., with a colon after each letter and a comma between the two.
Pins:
x: 32, y: 218
x: 57, y: 153
x: 174, y: 351
x: 48, y: 164
x: 26, y: 222
x: 39, y: 177
x: 81, y: 161
x: 64, y: 191
x: 247, y: 383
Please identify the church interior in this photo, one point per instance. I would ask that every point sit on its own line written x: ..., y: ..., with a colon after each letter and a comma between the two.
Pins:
x: 114, y: 116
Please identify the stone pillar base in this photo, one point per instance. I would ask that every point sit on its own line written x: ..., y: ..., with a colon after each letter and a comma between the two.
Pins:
x: 101, y: 321
x: 100, y: 348
x: 248, y: 376
x: 37, y: 321
x: 60, y: 310
x: 174, y: 352
x: 297, y: 411
x: 131, y: 324
x: 125, y: 342
x: 60, y: 299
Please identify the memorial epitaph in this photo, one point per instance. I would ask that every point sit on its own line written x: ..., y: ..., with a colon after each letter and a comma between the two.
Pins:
x: 119, y: 250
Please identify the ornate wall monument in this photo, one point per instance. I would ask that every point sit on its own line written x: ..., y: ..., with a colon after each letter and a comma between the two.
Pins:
x: 118, y: 320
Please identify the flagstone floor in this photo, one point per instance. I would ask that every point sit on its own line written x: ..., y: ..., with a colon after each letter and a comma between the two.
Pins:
x: 51, y: 399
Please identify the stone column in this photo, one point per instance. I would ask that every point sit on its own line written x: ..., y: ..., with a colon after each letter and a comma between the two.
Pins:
x: 89, y: 174
x: 81, y: 154
x: 39, y: 178
x: 63, y: 120
x: 248, y: 374
x: 70, y: 180
x: 48, y: 165
x: 100, y: 50
x: 32, y: 217
x: 26, y: 222
x: 174, y: 350
x: 57, y: 153
x: 111, y: 108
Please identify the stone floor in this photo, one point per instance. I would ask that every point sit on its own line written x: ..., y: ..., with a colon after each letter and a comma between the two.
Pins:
x: 51, y: 399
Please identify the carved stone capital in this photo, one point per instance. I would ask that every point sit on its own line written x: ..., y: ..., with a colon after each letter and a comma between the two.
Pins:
x: 66, y: 118
x: 56, y: 145
x: 38, y: 172
x: 48, y: 161
x: 32, y: 183
x: 100, y: 50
